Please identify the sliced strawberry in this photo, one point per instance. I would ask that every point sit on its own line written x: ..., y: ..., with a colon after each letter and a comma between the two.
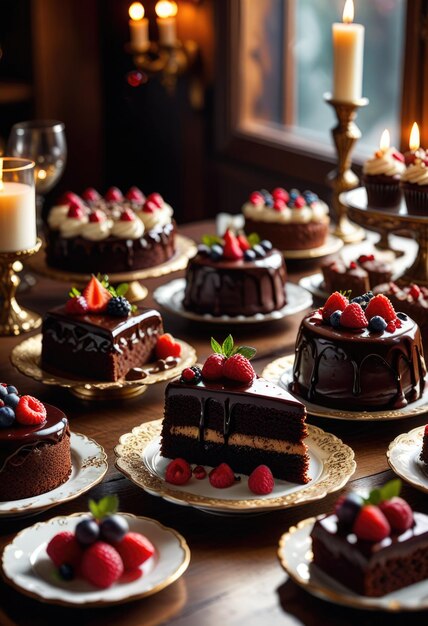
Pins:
x: 96, y: 296
x: 336, y: 302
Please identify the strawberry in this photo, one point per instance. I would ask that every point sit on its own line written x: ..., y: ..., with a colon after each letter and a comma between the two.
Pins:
x: 127, y: 216
x: 199, y: 472
x: 238, y: 368
x: 178, y: 472
x: 213, y: 367
x: 380, y: 305
x: 167, y: 346
x: 134, y: 550
x: 150, y: 207
x: 30, y: 411
x: 97, y: 216
x: 96, y: 296
x: 261, y: 480
x: 257, y: 199
x: 336, y: 302
x: 75, y: 211
x: 114, y: 195
x: 353, y: 317
x: 91, y: 195
x: 371, y: 524
x: 222, y: 476
x: 135, y: 195
x: 398, y: 513
x: 414, y: 292
x: 156, y: 198
x: 76, y: 306
x: 64, y: 548
x: 101, y: 565
x: 243, y: 242
x: 280, y: 194
x: 231, y: 249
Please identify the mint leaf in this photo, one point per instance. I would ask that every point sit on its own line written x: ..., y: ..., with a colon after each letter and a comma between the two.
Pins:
x: 390, y: 490
x: 93, y: 507
x: 215, y: 346
x: 121, y: 289
x: 106, y: 506
x: 227, y: 347
x: 253, y: 239
x: 246, y: 351
x: 210, y: 240
x: 374, y: 497
x: 74, y: 293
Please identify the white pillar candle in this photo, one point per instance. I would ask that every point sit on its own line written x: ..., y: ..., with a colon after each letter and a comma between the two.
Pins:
x: 348, y: 54
x: 138, y: 27
x: 166, y: 10
x: 17, y: 217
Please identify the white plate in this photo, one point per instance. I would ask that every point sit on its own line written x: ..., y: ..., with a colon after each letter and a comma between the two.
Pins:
x: 331, y: 465
x: 170, y: 297
x: 403, y: 456
x: 27, y: 568
x: 89, y: 465
x: 295, y: 555
x: 333, y: 244
x: 315, y: 285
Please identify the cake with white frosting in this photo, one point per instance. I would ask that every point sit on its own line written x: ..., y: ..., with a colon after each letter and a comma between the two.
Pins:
x: 414, y: 183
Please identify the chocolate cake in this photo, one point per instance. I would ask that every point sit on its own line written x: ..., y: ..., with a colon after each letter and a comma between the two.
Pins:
x: 424, y: 451
x: 358, y: 277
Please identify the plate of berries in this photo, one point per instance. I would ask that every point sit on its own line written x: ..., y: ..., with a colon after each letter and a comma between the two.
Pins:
x: 93, y: 559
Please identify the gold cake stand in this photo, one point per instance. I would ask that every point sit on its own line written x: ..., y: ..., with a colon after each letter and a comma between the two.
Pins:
x: 26, y: 358
x: 185, y: 249
x: 392, y: 220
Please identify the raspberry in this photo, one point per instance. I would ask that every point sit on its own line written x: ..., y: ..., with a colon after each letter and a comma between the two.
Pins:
x: 101, y: 565
x: 279, y: 204
x: 118, y: 307
x: 238, y: 368
x: 243, y: 242
x: 280, y: 194
x: 64, y: 548
x: 261, y: 480
x: 363, y: 258
x: 76, y: 306
x: 256, y: 198
x: 222, y: 476
x: 91, y: 195
x: 30, y: 411
x: 178, y: 472
x: 398, y: 513
x: 213, y: 367
x: 192, y: 375
x: 114, y: 195
x: 371, y: 524
x: 69, y: 197
x: 136, y: 195
x: 390, y: 327
x: 414, y: 292
x: 156, y: 198
x: 353, y: 265
x: 336, y: 302
x: 380, y: 305
x: 150, y: 207
x: 75, y: 211
x: 167, y: 346
x: 97, y: 217
x: 134, y: 550
x: 231, y: 249
x: 299, y: 202
x: 127, y: 216
x: 96, y: 296
x: 199, y: 472
x: 353, y: 317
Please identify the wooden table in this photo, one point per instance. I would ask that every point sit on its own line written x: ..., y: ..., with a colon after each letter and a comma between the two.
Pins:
x: 234, y: 576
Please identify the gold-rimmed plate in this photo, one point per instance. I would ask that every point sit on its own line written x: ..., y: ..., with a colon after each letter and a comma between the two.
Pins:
x: 295, y: 555
x: 27, y: 567
x: 333, y: 244
x: 403, y: 456
x: 138, y: 457
x: 280, y: 372
x: 26, y: 358
x: 89, y: 466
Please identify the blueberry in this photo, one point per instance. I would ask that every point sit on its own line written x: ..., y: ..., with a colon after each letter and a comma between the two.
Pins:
x: 265, y: 193
x: 377, y: 324
x: 12, y: 389
x: 204, y: 250
x: 269, y: 201
x: 359, y: 300
x: 267, y: 245
x: 3, y: 392
x: 66, y: 571
x: 349, y: 508
x: 260, y: 252
x: 7, y: 416
x: 249, y: 255
x: 216, y: 252
x: 113, y: 528
x: 87, y: 532
x: 402, y: 316
x: 368, y: 296
x: 335, y: 319
x: 11, y: 399
x: 294, y: 193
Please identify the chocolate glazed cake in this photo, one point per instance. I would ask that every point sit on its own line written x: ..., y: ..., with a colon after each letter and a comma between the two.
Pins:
x: 100, y: 347
x: 346, y: 369
x: 235, y: 287
x: 243, y: 425
x: 34, y: 459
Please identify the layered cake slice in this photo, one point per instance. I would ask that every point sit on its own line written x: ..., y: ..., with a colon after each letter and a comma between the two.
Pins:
x: 224, y: 413
x: 373, y: 546
x: 424, y: 451
x: 358, y: 277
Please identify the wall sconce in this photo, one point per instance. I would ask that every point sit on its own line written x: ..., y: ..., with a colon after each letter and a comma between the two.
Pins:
x: 168, y: 58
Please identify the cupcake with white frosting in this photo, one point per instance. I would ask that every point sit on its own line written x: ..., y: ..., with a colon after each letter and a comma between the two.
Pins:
x: 382, y: 174
x: 414, y: 183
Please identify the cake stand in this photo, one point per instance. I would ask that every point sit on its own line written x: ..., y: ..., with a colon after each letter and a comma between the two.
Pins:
x: 393, y: 220
x: 185, y: 248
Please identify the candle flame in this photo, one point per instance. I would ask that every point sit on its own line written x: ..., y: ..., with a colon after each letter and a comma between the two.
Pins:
x: 385, y: 140
x: 166, y: 8
x: 348, y: 12
x: 1, y: 174
x: 414, y: 141
x: 136, y: 11
x: 41, y: 174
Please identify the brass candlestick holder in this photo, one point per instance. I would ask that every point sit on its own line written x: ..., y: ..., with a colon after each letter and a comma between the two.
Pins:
x: 15, y: 320
x: 345, y: 135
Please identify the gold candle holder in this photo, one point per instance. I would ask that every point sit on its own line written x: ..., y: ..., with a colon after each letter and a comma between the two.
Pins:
x: 15, y: 320
x: 345, y: 135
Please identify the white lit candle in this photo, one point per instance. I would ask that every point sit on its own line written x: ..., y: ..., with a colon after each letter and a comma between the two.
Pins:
x: 166, y: 10
x: 348, y: 54
x: 17, y: 215
x: 415, y: 138
x: 138, y: 27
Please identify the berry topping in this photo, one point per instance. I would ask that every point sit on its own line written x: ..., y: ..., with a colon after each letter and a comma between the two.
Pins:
x: 11, y: 389
x: 243, y: 242
x: 7, y: 416
x: 150, y: 207
x: 257, y: 199
x: 97, y: 217
x: 64, y: 548
x: 118, y: 307
x: 380, y: 305
x: 199, y: 472
x: 266, y: 245
x: 222, y: 476
x: 398, y: 513
x: 377, y: 324
x: 216, y: 252
x: 238, y: 368
x: 134, y: 550
x: 402, y: 316
x: 368, y: 296
x: 363, y: 258
x: 135, y: 195
x: 261, y: 480
x: 75, y: 212
x: 336, y: 302
x: 127, y: 216
x: 76, y: 306
x: 178, y: 472
x: 267, y: 197
x: 360, y: 300
x: 66, y: 571
x: 391, y: 327
x: 156, y: 198
x: 414, y: 292
x: 204, y: 250
x: 11, y: 399
x: 113, y: 528
x: 294, y: 193
x: 347, y: 508
x: 280, y: 194
x: 96, y: 296
x: 249, y: 255
x: 167, y: 346
x: 30, y: 411
x: 91, y: 195
x: 68, y: 197
x: 371, y: 524
x: 192, y: 375
x: 259, y: 250
x: 87, y: 532
x: 213, y: 367
x: 335, y: 319
x: 299, y: 202
x: 3, y: 390
x: 232, y: 250
x: 114, y: 195
x: 101, y: 565
x: 398, y: 156
x: 279, y: 204
x: 353, y: 317
x: 353, y: 265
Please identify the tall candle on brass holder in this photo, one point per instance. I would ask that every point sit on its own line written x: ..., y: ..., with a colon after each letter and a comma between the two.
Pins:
x: 348, y: 52
x: 138, y: 27
x: 18, y: 240
x: 166, y: 11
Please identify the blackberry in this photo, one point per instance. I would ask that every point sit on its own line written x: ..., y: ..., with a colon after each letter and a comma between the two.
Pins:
x: 187, y: 377
x: 118, y: 307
